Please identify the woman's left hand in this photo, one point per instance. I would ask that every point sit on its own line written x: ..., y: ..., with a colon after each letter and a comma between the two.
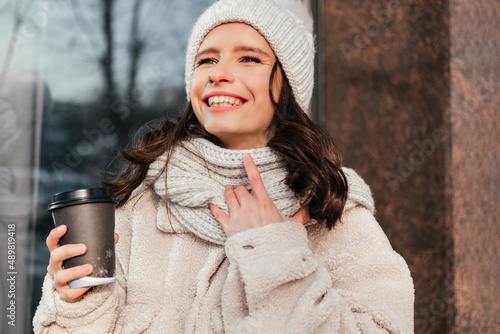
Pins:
x: 249, y: 210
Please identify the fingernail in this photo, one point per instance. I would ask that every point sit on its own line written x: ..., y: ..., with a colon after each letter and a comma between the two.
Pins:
x: 60, y: 228
x: 89, y: 268
x: 82, y: 247
x: 246, y: 156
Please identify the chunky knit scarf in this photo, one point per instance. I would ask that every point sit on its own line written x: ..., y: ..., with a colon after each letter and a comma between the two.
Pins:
x: 199, y: 171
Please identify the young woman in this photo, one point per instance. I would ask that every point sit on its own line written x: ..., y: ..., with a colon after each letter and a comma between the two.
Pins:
x: 239, y: 218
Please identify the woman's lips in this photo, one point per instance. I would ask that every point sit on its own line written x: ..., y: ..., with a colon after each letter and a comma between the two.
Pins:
x: 223, y: 101
x: 216, y: 108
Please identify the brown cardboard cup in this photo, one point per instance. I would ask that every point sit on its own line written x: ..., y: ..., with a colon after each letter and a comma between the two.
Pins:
x: 89, y: 215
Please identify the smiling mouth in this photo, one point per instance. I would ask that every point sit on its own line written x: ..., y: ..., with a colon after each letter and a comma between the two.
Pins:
x: 223, y: 101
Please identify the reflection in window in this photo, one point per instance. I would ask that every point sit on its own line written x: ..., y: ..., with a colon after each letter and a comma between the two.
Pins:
x: 77, y: 79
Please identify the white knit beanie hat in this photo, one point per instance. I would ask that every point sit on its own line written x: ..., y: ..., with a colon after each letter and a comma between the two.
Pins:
x: 285, y: 24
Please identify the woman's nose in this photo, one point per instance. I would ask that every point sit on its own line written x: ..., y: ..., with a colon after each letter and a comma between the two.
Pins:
x: 221, y: 72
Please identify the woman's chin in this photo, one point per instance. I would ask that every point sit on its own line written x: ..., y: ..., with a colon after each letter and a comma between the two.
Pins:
x: 241, y: 143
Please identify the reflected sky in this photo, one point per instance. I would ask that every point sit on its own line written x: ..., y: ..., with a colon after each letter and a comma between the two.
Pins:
x: 63, y: 41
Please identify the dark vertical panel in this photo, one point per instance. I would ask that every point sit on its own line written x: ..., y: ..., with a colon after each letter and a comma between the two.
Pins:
x: 474, y: 175
x: 386, y: 85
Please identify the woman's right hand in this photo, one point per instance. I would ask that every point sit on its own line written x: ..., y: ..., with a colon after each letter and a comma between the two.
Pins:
x: 55, y: 268
x: 62, y: 276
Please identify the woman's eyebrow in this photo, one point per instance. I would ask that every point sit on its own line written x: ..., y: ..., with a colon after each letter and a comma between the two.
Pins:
x: 206, y: 51
x: 237, y: 48
x: 251, y: 49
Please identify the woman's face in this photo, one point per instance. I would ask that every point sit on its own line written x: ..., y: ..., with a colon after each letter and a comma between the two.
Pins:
x: 230, y: 86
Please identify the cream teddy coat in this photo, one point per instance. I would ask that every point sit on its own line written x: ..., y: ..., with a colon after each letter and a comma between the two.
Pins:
x: 281, y: 278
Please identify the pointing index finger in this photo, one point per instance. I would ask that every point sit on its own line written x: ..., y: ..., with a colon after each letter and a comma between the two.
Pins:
x: 258, y: 187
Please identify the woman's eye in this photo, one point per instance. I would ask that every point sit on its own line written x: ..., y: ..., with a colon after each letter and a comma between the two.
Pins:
x: 251, y: 60
x: 206, y: 61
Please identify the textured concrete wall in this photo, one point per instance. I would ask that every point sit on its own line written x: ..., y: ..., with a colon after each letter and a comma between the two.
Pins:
x: 395, y: 76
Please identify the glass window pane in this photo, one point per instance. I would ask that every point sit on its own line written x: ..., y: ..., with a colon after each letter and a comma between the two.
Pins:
x: 77, y: 79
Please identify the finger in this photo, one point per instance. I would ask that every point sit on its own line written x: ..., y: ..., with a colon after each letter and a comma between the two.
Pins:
x: 243, y: 195
x: 58, y: 255
x: 117, y: 237
x: 62, y: 277
x: 231, y: 199
x: 219, y: 214
x: 52, y: 240
x: 72, y: 295
x: 302, y: 216
x: 258, y: 188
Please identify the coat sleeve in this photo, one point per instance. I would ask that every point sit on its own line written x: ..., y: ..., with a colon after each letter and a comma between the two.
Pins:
x: 100, y: 307
x: 298, y: 280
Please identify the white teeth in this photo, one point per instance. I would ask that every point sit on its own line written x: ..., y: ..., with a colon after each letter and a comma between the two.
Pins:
x: 223, y: 101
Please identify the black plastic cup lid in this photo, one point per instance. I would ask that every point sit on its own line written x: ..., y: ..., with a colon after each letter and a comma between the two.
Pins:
x: 81, y: 196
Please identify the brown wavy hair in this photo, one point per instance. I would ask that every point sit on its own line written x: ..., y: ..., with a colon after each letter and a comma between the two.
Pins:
x: 312, y: 160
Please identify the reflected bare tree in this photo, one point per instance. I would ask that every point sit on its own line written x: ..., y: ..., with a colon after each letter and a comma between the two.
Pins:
x: 106, y: 59
x: 136, y: 48
x: 104, y: 55
x: 20, y: 12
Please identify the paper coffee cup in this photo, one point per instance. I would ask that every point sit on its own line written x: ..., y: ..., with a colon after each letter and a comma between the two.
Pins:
x: 89, y: 215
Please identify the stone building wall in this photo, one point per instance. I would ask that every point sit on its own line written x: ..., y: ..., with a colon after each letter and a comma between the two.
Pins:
x: 410, y: 90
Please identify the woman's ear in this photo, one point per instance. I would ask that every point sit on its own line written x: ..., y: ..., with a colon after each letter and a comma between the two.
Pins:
x: 275, y: 83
